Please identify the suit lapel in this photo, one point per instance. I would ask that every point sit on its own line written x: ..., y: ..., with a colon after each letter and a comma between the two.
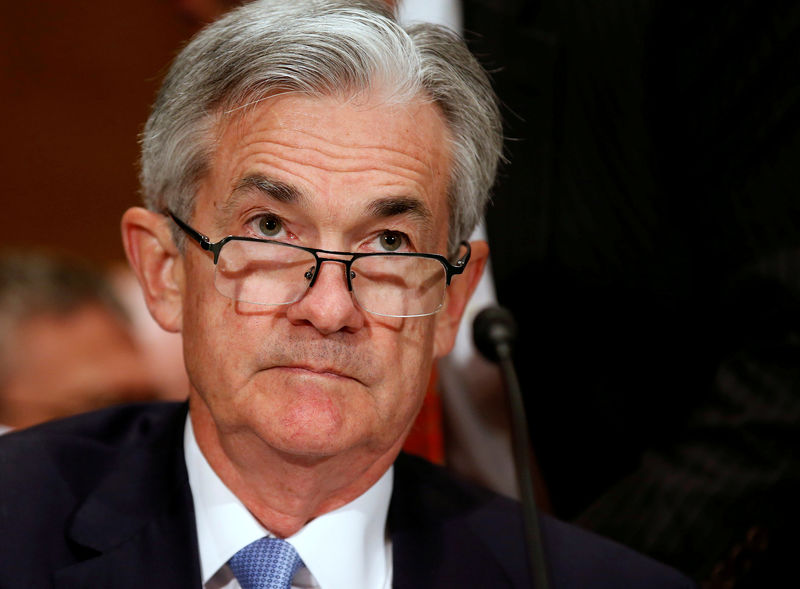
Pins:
x: 137, y: 528
x: 436, y: 539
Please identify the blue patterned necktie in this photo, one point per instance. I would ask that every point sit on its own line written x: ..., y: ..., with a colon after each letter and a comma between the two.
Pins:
x: 268, y: 563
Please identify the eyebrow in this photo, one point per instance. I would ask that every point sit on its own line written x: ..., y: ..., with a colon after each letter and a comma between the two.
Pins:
x: 397, y: 206
x: 271, y: 188
x: 381, y: 208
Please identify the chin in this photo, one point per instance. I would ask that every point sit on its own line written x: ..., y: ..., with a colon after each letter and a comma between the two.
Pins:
x: 304, y: 429
x: 310, y: 448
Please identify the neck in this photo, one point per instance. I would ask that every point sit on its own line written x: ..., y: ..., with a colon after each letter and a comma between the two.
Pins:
x: 285, y: 491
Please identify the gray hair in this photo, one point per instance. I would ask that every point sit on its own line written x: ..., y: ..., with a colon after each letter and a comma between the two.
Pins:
x: 319, y: 48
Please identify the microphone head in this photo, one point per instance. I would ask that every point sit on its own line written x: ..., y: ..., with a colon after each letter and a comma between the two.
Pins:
x: 494, y: 331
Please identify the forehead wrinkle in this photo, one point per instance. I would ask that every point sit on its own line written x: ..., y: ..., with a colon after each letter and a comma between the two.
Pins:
x: 340, y: 161
x: 346, y: 157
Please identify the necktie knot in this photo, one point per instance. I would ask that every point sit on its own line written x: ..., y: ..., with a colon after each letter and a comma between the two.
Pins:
x: 267, y: 563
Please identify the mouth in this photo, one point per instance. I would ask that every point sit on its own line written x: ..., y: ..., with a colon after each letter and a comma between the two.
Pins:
x: 319, y: 359
x: 319, y: 371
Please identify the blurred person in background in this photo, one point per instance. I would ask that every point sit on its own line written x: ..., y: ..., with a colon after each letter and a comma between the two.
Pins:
x: 162, y: 351
x: 65, y: 342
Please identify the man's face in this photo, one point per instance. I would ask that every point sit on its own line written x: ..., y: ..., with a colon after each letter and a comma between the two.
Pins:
x: 320, y: 376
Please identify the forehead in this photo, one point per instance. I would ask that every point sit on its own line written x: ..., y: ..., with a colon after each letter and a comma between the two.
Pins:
x: 336, y: 155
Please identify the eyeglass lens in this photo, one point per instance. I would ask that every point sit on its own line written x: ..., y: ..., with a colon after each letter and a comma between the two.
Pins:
x: 266, y: 273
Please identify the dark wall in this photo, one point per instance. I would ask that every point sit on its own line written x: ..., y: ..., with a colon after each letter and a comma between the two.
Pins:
x: 646, y: 237
x: 77, y: 80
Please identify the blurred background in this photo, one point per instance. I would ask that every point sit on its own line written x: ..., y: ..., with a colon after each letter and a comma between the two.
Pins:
x: 77, y: 82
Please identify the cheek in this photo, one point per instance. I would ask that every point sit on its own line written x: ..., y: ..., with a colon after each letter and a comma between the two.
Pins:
x: 445, y: 331
x: 213, y: 340
x: 410, y: 361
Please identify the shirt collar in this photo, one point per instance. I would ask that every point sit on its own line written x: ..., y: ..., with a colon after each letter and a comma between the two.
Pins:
x: 344, y: 548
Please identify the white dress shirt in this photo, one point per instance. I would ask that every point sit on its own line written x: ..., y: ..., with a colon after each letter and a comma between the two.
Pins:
x: 344, y: 549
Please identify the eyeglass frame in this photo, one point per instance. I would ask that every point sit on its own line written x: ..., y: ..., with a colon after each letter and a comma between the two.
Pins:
x: 216, y: 247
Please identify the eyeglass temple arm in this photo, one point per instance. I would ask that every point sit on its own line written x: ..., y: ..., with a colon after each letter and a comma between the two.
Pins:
x: 460, y: 264
x: 203, y: 240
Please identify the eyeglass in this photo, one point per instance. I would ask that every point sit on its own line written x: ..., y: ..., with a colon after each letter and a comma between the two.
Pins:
x: 267, y: 272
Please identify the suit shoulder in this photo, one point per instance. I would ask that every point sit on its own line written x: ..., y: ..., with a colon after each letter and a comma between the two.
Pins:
x: 73, y: 453
x: 431, y: 499
x: 72, y: 485
x: 579, y: 558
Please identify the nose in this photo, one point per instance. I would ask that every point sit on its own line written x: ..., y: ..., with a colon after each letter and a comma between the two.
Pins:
x: 328, y: 305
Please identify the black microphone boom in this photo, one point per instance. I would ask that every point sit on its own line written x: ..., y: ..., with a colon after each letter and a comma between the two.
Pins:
x: 494, y: 331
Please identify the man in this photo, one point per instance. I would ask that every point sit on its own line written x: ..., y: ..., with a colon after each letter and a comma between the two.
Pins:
x: 310, y: 169
x: 65, y: 343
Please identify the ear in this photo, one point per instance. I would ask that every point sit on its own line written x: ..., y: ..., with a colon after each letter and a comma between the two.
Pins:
x: 458, y: 295
x: 158, y: 265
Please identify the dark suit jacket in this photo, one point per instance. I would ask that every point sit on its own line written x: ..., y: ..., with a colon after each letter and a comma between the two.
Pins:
x: 103, y: 500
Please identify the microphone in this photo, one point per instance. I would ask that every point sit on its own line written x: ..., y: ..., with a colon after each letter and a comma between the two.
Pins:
x: 494, y: 331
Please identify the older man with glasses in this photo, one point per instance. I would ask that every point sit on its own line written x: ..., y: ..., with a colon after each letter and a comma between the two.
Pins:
x: 310, y: 170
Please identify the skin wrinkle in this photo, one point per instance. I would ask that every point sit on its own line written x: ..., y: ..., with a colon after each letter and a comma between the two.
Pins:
x: 329, y: 146
x: 339, y: 150
x: 287, y: 155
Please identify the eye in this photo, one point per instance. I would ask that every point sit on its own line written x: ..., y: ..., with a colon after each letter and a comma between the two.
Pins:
x: 391, y: 241
x: 270, y: 226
